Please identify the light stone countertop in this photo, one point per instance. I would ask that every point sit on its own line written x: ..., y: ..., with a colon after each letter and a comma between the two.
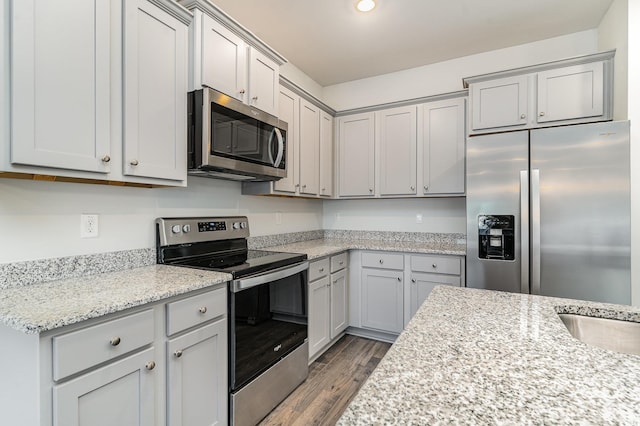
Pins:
x: 478, y: 357
x: 315, y: 249
x: 48, y: 305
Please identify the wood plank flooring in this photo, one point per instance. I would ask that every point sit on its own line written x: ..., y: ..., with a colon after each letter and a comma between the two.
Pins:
x: 334, y: 379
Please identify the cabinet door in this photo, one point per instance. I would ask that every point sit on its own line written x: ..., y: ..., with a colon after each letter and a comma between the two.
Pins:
x: 422, y: 284
x: 289, y: 112
x: 382, y: 300
x: 398, y: 144
x: 499, y: 103
x: 60, y: 84
x: 264, y: 75
x: 121, y: 393
x: 155, y: 90
x: 197, y: 377
x: 309, y: 148
x: 571, y: 92
x: 339, y: 303
x: 224, y: 59
x: 356, y: 152
x: 443, y: 147
x: 319, y: 308
x: 326, y: 154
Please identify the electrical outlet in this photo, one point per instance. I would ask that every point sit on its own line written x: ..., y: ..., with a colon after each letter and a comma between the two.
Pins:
x: 418, y: 218
x: 88, y: 225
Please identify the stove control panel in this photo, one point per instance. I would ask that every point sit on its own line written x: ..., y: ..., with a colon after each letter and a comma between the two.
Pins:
x: 184, y: 230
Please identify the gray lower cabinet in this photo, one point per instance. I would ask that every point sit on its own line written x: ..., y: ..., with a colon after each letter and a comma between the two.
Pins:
x: 196, y: 380
x: 421, y: 286
x: 118, y: 369
x: 121, y: 393
x: 382, y: 304
x: 328, y: 313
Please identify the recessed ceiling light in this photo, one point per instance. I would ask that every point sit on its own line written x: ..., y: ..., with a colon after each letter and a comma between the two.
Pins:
x: 365, y: 5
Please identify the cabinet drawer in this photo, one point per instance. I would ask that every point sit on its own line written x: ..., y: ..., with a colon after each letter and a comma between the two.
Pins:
x: 338, y: 262
x: 82, y: 349
x: 318, y: 269
x: 436, y: 264
x: 195, y: 310
x: 382, y: 260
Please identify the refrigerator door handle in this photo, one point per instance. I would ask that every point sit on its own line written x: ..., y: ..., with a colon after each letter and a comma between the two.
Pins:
x: 524, y: 231
x: 535, y: 231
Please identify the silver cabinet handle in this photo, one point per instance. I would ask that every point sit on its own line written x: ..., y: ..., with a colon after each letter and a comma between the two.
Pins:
x: 426, y: 188
x: 413, y: 280
x: 413, y: 188
x: 523, y: 116
x: 321, y: 270
x: 335, y: 281
x: 150, y: 365
x: 178, y: 353
x: 399, y: 279
x: 541, y: 113
x: 242, y: 91
x: 255, y: 98
x: 370, y: 189
x: 341, y: 262
x: 435, y: 265
x: 381, y: 261
x: 323, y: 189
x: 203, y: 310
x: 115, y: 341
x: 134, y: 162
x: 106, y: 159
x: 297, y: 185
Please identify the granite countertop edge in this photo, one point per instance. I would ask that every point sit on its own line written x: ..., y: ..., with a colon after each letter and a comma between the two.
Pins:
x: 46, y: 306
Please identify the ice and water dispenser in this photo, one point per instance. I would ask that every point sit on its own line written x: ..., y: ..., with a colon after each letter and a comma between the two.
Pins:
x: 496, y: 237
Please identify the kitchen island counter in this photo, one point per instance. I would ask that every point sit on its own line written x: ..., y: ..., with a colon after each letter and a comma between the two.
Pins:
x: 473, y: 356
x: 44, y: 306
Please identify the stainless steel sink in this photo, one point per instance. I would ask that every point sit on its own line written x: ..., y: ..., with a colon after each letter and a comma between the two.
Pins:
x: 615, y: 335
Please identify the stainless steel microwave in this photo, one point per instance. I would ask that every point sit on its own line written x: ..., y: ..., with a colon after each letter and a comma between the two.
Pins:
x: 231, y: 140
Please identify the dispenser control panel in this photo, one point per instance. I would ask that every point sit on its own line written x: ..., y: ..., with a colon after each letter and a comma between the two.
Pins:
x: 496, y: 237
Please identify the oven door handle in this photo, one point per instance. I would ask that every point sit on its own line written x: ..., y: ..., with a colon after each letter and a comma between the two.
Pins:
x: 287, y: 271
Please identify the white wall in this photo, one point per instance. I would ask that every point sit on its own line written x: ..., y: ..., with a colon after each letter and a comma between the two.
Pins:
x: 438, y: 215
x: 634, y: 116
x: 447, y: 76
x: 42, y: 219
x: 613, y: 34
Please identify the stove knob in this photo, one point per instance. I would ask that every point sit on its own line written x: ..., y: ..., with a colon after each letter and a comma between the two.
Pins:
x: 176, y: 229
x: 186, y: 228
x: 236, y: 225
x: 243, y: 225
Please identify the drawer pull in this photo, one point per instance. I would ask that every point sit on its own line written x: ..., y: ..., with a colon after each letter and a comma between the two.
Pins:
x: 321, y: 270
x: 178, y: 353
x: 435, y: 265
x: 150, y: 365
x: 115, y: 341
x: 203, y: 310
x: 335, y: 281
x: 381, y: 261
x: 341, y: 262
x: 413, y: 280
x: 399, y: 279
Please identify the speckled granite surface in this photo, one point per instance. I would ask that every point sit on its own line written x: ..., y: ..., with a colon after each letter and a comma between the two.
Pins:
x: 477, y: 357
x: 34, y: 271
x: 281, y: 239
x: 327, y: 246
x: 48, y: 305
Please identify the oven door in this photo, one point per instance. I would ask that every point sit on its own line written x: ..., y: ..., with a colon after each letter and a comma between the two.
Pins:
x: 267, y: 321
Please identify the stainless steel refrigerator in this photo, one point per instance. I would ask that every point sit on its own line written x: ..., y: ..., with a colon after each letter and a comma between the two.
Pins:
x: 548, y: 212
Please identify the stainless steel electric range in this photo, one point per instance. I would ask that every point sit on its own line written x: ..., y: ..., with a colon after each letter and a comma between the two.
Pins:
x: 267, y: 307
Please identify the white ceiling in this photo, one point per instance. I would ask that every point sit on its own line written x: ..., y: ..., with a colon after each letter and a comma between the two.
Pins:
x: 332, y: 43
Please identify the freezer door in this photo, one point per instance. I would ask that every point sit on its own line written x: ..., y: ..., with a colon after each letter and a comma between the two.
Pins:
x: 496, y: 168
x: 581, y: 224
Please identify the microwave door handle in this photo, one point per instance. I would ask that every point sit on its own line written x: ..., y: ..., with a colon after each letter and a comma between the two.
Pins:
x: 270, y: 145
x: 280, y: 147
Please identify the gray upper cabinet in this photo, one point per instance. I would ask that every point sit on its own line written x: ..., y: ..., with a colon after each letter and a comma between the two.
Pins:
x: 326, y: 155
x: 356, y: 155
x: 398, y: 146
x: 443, y: 146
x: 309, y: 148
x: 500, y: 103
x: 571, y: 91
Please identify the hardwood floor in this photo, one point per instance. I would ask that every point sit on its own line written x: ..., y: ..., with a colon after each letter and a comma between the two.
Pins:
x: 333, y: 381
